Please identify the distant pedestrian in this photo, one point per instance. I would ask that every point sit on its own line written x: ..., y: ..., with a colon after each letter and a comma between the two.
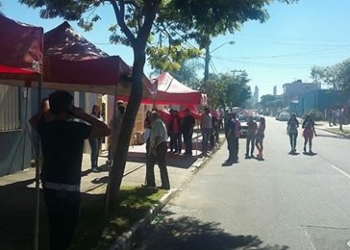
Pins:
x: 115, y: 124
x: 62, y: 143
x: 95, y: 143
x: 260, y: 134
x: 175, y: 128
x: 292, y: 131
x: 206, y: 128
x: 188, y: 123
x: 232, y: 137
x: 158, y: 150
x: 308, y: 133
x: 250, y: 139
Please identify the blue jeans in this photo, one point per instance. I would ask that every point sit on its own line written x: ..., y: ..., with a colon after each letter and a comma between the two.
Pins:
x: 95, y: 145
x: 206, y: 132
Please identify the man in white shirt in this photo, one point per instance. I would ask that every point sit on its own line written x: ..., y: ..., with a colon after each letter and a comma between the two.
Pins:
x: 158, y: 150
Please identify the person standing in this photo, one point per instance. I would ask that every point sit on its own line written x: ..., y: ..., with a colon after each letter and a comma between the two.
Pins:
x: 175, y: 128
x: 292, y: 130
x: 62, y: 147
x: 188, y: 123
x: 158, y: 150
x: 232, y: 137
x: 206, y: 128
x: 308, y: 133
x: 115, y: 124
x: 250, y: 140
x: 95, y: 143
x: 260, y: 134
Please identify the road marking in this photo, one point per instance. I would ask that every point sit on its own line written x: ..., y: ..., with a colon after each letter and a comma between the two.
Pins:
x: 341, y: 171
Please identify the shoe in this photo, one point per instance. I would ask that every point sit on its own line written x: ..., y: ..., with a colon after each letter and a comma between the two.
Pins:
x: 246, y: 156
x: 305, y: 149
x: 164, y: 187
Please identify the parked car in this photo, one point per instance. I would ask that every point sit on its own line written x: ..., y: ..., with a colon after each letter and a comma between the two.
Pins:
x: 283, y: 116
x: 243, y: 119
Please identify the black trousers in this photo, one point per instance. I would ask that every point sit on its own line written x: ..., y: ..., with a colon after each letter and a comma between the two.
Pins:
x: 63, y: 211
x: 188, y: 142
x: 232, y: 143
x: 250, y: 144
x: 160, y: 158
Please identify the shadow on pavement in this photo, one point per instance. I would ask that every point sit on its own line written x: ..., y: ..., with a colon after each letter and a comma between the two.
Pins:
x: 191, y: 233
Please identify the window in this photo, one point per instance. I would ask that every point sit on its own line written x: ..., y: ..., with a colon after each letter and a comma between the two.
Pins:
x: 9, y: 108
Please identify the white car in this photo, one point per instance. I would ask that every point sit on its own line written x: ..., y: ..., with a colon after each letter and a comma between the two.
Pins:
x: 283, y: 116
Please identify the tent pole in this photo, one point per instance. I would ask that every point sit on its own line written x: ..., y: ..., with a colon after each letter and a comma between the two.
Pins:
x: 25, y: 127
x: 37, y: 175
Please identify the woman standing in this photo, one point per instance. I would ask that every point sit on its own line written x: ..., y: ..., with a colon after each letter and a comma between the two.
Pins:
x: 308, y: 133
x: 260, y: 134
x: 292, y: 130
x: 95, y: 143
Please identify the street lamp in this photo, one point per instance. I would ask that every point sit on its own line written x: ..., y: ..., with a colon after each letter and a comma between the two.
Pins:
x: 207, y: 58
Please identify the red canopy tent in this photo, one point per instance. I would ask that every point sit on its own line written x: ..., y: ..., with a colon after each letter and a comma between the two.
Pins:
x: 21, y: 47
x: 73, y: 63
x: 171, y: 91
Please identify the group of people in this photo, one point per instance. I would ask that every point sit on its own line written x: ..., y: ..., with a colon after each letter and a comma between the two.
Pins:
x: 308, y: 133
x: 255, y: 137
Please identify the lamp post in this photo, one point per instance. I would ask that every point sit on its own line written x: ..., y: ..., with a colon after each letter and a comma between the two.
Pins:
x: 207, y: 58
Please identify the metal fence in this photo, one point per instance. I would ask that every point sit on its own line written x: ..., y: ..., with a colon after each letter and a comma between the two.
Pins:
x: 9, y: 108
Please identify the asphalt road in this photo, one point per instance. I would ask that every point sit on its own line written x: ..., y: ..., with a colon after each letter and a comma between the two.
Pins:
x: 284, y: 202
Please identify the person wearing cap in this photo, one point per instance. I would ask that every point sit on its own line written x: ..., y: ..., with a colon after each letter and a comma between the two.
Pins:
x: 62, y: 143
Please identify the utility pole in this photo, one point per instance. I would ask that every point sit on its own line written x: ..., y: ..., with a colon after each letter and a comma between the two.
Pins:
x: 207, y: 61
x: 208, y: 57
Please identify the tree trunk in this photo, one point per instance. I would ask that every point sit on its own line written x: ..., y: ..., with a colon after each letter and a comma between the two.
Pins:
x: 120, y: 156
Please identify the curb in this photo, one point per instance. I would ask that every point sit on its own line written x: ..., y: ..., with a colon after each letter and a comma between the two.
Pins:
x: 126, y: 240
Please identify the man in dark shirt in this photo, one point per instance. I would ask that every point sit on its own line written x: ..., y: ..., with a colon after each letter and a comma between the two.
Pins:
x: 188, y: 123
x: 62, y: 147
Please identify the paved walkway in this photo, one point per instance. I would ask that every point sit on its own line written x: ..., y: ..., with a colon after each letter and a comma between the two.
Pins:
x: 18, y: 196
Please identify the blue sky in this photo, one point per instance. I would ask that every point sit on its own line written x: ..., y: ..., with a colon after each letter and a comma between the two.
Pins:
x: 285, y: 48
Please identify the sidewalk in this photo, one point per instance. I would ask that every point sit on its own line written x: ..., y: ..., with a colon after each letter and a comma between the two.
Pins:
x: 18, y: 196
x: 324, y: 125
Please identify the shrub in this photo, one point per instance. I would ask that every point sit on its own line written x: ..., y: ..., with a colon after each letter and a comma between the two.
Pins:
x: 316, y: 115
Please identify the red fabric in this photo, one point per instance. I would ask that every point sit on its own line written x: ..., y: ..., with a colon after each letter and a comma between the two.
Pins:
x: 21, y: 49
x: 71, y: 59
x: 171, y: 91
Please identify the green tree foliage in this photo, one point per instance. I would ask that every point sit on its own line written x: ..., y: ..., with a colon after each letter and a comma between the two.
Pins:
x: 226, y: 90
x: 137, y: 22
x: 336, y: 76
x: 271, y: 103
x: 187, y: 74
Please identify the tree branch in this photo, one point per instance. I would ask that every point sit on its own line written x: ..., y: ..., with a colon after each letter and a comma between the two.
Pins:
x: 120, y: 14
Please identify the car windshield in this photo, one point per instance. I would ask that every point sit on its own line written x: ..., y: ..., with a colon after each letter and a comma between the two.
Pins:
x: 243, y: 118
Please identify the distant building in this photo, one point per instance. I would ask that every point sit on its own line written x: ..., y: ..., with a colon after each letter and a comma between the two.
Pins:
x: 291, y: 91
x: 275, y: 90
